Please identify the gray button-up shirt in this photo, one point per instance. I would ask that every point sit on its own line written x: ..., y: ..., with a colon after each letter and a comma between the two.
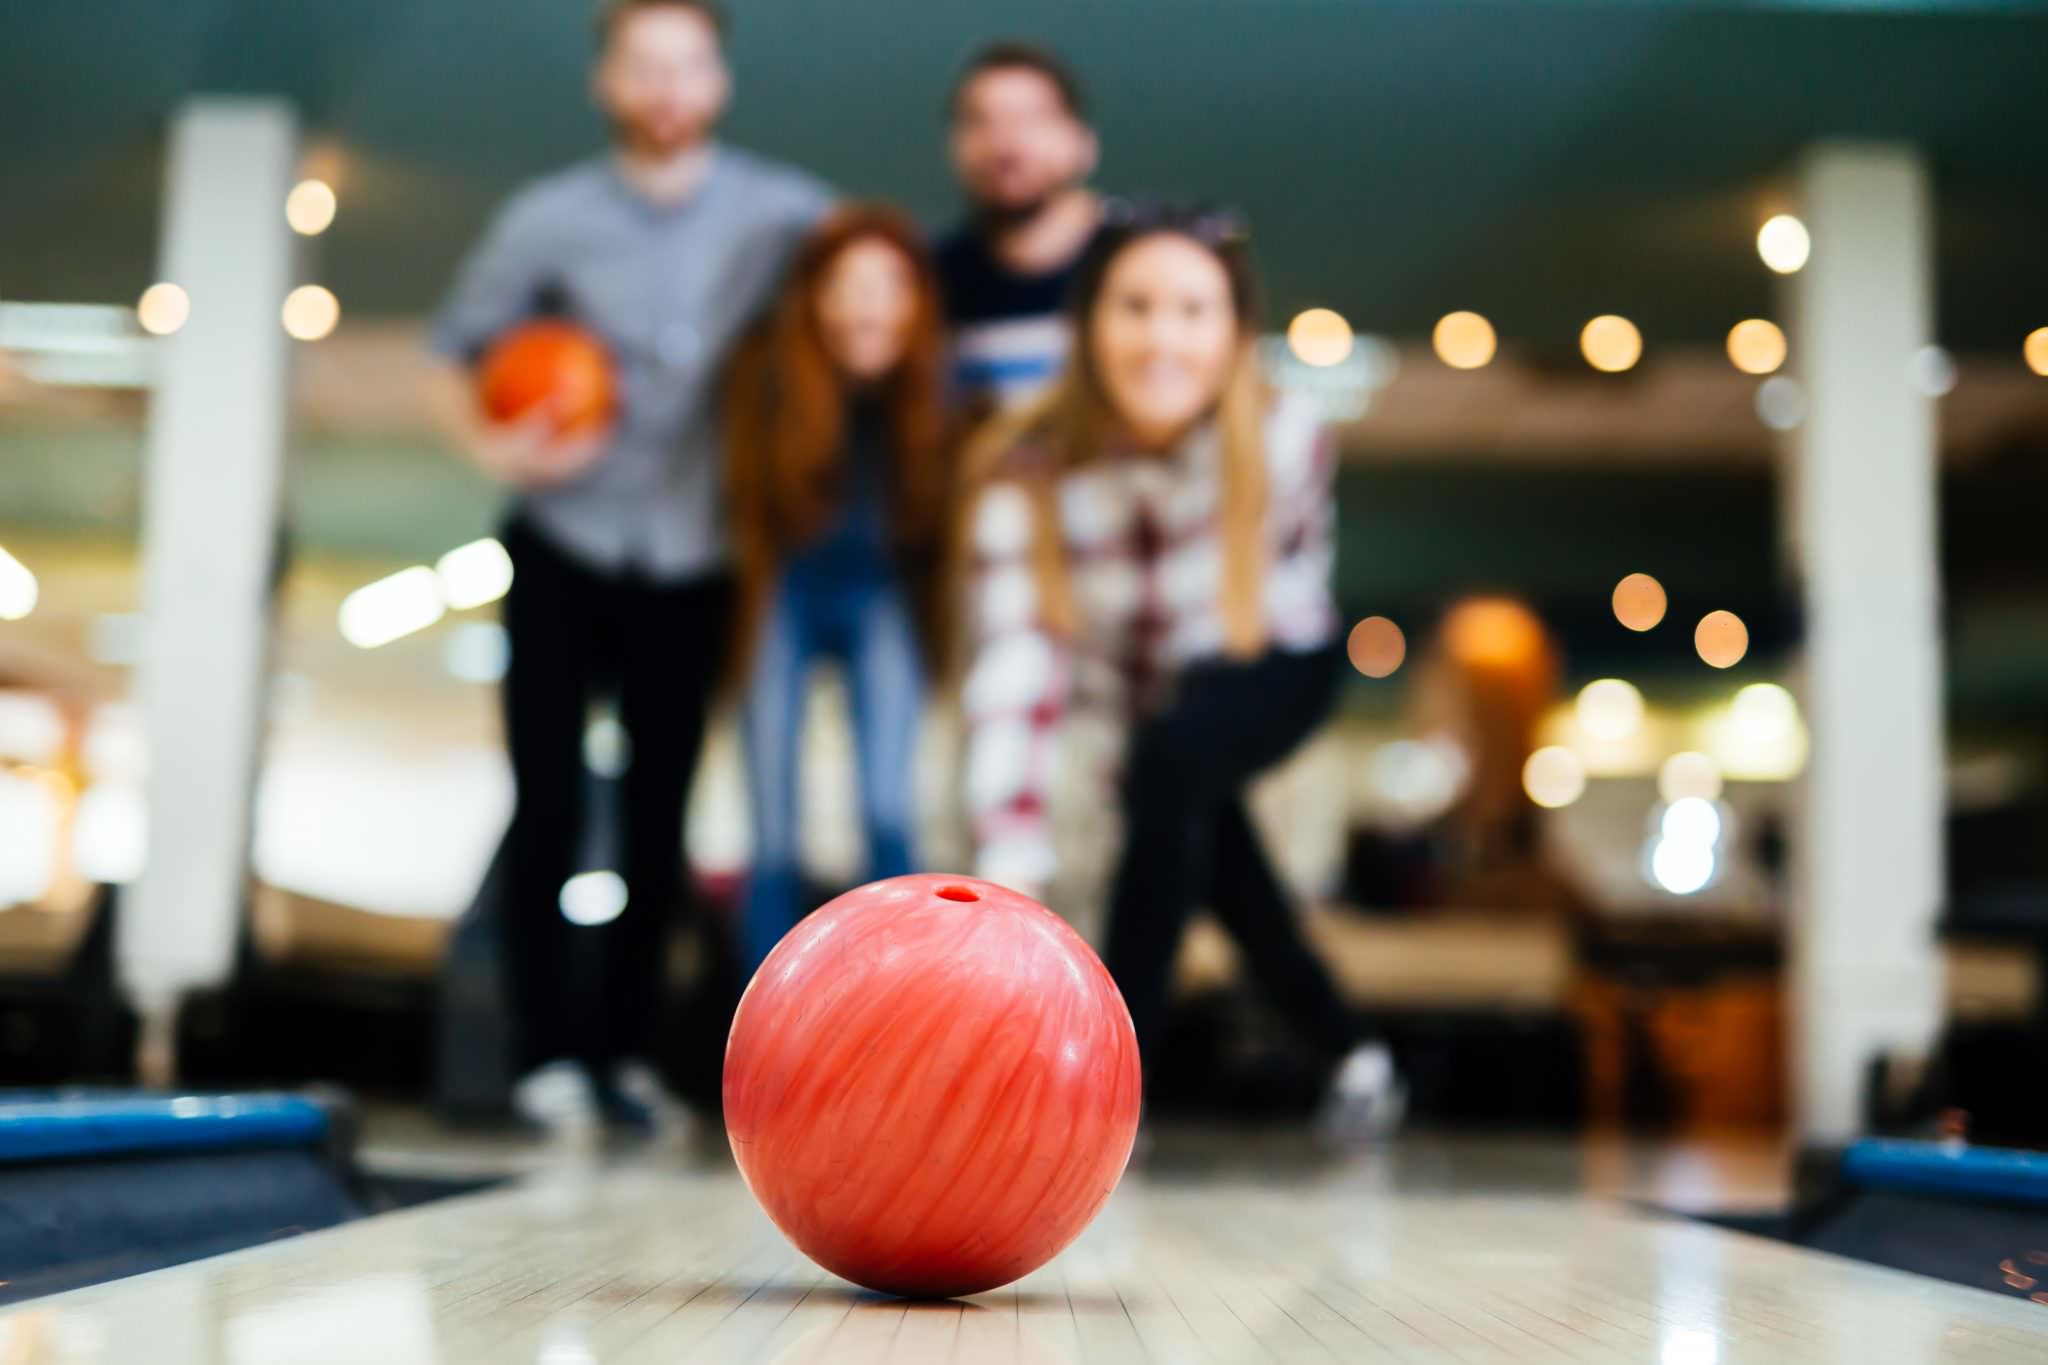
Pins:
x: 669, y: 287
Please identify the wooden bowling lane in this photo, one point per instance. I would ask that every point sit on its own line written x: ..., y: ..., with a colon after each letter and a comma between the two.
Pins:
x: 1419, y: 1258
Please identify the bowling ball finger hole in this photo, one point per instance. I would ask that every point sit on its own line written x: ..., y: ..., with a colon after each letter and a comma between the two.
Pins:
x: 957, y: 893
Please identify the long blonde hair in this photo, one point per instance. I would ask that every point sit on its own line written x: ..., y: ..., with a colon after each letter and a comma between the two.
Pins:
x: 1072, y: 426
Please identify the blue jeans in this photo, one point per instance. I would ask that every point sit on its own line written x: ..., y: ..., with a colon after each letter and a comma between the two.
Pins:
x: 865, y: 625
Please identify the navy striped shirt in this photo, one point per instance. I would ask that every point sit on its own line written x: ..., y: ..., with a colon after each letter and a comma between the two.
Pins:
x: 1010, y: 333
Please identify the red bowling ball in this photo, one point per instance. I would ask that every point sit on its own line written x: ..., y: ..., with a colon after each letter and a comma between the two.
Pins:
x: 932, y: 1086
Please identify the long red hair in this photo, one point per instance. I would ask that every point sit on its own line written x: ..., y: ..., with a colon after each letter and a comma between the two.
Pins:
x: 786, y: 405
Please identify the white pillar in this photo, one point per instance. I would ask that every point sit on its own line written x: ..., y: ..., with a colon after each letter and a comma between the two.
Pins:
x: 213, y: 484
x: 1869, y: 847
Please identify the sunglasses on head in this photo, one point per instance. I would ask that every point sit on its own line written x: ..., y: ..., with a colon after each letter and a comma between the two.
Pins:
x: 1212, y: 225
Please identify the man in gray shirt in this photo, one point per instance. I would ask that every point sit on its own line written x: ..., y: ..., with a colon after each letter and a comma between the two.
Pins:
x: 667, y: 248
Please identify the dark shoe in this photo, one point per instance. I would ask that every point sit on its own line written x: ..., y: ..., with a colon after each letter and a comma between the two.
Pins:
x: 633, y: 1097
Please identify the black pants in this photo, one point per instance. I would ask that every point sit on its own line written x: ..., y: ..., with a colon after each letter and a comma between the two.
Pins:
x: 576, y: 634
x: 1189, y: 841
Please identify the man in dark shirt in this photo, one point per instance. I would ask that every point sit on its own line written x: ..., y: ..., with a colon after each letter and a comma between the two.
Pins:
x: 667, y: 247
x: 1022, y: 150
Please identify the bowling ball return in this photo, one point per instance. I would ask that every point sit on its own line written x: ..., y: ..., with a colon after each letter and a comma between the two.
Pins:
x: 101, y: 1184
x: 1941, y: 1207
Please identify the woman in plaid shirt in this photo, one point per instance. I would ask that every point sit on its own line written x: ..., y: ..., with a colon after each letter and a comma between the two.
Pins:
x: 1154, y: 537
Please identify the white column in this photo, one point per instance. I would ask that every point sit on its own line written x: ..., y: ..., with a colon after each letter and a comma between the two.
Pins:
x: 213, y: 483
x: 1869, y: 847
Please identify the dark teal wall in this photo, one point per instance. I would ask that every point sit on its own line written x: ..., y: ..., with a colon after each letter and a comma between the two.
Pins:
x: 1539, y: 161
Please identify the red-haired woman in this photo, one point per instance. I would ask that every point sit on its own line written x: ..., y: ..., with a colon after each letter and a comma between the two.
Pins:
x: 836, y: 474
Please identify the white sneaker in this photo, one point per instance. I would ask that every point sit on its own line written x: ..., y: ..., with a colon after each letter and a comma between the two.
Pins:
x: 1367, y: 1100
x: 558, y: 1099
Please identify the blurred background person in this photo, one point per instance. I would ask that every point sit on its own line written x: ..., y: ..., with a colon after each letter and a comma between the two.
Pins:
x: 1022, y: 150
x: 666, y: 246
x: 1155, y: 535
x: 837, y: 471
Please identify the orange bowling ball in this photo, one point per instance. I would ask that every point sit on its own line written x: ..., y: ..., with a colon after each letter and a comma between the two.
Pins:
x: 554, y: 363
x: 932, y: 1086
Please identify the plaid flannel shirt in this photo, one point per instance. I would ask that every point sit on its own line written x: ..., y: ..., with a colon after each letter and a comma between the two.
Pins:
x: 1141, y: 541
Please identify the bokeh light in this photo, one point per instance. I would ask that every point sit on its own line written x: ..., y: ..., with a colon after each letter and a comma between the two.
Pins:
x: 473, y: 574
x: 1611, y: 344
x: 1765, y: 711
x: 116, y: 747
x: 1783, y: 243
x: 163, y: 308
x: 1639, y: 601
x: 477, y: 652
x: 1780, y: 403
x: 1691, y: 820
x: 311, y: 312
x: 2036, y: 351
x: 1463, y: 340
x: 110, y: 834
x: 1758, y: 737
x: 1554, y: 777
x: 309, y: 208
x: 1689, y: 773
x: 32, y: 728
x: 1319, y: 337
x: 1681, y: 867
x: 1721, y: 639
x: 391, y: 608
x: 1420, y: 778
x: 1933, y: 371
x: 1493, y: 632
x: 1376, y: 647
x: 18, y: 588
x: 33, y: 816
x: 590, y: 898
x: 1756, y: 346
x: 1609, y: 708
